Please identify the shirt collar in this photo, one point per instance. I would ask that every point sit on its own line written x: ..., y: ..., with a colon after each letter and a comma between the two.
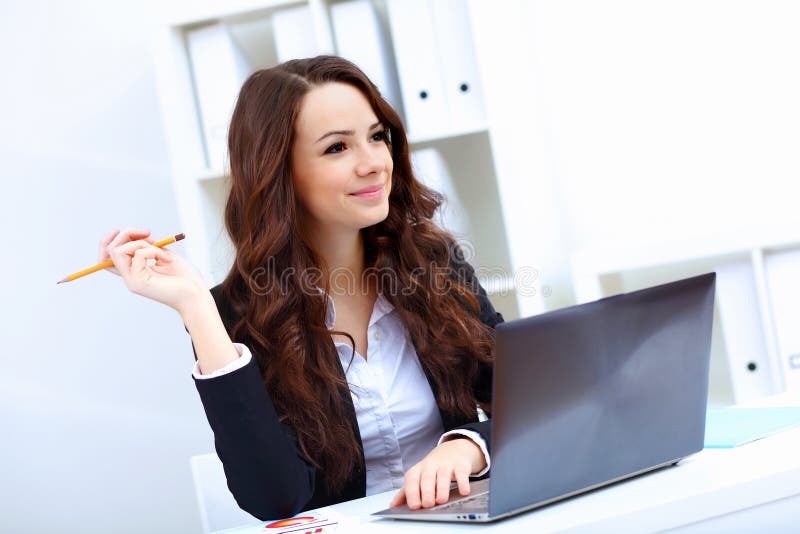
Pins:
x: 382, y: 307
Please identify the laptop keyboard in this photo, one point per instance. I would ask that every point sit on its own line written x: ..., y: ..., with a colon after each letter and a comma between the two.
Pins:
x: 473, y: 503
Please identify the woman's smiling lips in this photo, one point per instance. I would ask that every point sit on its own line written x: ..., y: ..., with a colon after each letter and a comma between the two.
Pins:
x: 369, y: 193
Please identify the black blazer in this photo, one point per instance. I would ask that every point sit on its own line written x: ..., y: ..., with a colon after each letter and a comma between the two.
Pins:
x: 267, y: 474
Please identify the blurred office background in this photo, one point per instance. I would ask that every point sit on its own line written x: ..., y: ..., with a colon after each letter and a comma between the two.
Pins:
x: 625, y: 143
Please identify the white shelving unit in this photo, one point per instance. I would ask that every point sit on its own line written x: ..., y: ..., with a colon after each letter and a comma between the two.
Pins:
x: 470, y: 154
x: 755, y: 350
x: 500, y: 171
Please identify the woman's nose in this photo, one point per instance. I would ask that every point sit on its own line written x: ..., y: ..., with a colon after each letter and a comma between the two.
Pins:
x: 369, y: 162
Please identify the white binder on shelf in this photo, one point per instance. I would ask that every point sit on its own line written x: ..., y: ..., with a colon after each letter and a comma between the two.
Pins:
x: 294, y: 34
x: 745, y: 341
x: 421, y: 84
x: 219, y: 68
x: 359, y: 38
x: 782, y: 273
x: 431, y: 169
x: 459, y: 67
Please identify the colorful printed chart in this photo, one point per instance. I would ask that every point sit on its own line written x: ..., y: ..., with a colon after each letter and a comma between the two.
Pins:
x: 308, y: 523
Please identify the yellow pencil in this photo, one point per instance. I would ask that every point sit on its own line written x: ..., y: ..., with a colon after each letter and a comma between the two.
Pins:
x: 109, y: 263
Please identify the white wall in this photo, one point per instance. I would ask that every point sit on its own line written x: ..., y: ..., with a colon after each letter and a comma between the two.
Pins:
x: 642, y: 123
x: 98, y: 411
x: 671, y: 119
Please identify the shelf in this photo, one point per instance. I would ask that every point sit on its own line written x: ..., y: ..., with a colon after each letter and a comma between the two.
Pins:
x: 450, y: 134
x: 498, y: 286
x: 610, y: 259
x: 201, y: 191
x: 204, y: 11
x: 206, y: 175
x: 756, y: 309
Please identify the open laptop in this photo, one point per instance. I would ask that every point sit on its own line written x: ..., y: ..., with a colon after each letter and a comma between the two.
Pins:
x: 590, y: 395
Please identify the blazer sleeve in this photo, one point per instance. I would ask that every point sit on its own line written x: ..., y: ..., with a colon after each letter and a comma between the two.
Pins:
x: 491, y: 318
x: 267, y: 474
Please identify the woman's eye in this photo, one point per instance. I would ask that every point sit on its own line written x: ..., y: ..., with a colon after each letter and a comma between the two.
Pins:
x: 339, y: 147
x: 335, y: 148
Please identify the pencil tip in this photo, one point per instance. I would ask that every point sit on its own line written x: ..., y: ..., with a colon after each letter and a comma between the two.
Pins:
x: 179, y: 237
x: 61, y: 281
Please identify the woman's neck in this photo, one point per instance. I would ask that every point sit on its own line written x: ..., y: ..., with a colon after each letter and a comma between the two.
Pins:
x: 343, y: 253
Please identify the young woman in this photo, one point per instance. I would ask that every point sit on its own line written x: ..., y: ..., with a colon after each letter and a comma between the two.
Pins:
x: 349, y: 347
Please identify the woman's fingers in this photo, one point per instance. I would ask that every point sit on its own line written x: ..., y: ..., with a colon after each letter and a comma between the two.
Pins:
x: 411, y: 488
x: 122, y: 256
x: 427, y: 488
x: 164, y: 261
x: 427, y: 484
x: 129, y: 234
x: 430, y: 487
x: 462, y: 478
x: 140, y: 257
x: 104, y: 242
x: 118, y: 238
x: 444, y: 476
x: 140, y: 277
x: 103, y: 251
x: 153, y: 272
x: 399, y: 498
x: 120, y: 259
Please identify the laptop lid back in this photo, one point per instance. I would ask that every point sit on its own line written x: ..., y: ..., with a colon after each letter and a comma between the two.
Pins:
x: 599, y: 391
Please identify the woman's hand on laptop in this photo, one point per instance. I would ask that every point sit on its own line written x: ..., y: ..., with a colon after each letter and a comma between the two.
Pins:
x: 427, y: 484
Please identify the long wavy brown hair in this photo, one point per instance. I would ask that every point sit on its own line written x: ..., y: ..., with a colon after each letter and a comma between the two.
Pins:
x: 283, y: 321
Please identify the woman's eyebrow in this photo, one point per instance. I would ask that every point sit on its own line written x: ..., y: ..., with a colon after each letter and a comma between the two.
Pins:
x: 345, y: 132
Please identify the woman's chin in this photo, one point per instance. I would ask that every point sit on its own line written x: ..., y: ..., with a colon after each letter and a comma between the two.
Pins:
x: 375, y: 217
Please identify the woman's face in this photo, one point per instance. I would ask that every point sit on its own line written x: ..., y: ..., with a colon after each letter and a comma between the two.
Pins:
x: 341, y: 164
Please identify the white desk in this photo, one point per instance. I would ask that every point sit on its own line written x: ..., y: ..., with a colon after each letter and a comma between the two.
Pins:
x: 751, y: 488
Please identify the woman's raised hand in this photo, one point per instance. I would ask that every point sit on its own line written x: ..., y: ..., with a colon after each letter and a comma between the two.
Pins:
x: 156, y: 273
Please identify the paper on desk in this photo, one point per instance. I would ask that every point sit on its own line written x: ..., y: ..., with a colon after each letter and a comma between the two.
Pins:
x: 731, y: 427
x: 319, y: 521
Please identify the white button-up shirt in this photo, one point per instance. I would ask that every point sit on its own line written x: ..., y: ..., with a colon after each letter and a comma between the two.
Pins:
x: 397, y: 415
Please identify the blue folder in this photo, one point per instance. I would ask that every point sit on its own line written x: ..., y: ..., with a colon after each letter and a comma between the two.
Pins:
x: 731, y: 427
